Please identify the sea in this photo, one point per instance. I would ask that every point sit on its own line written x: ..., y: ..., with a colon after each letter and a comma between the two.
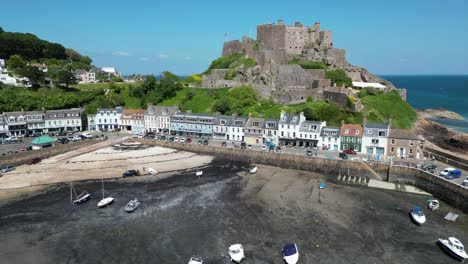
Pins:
x: 437, y: 91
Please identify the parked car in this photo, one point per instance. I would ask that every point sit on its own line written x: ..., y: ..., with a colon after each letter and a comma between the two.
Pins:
x: 269, y: 144
x: 249, y: 146
x: 182, y: 140
x: 63, y: 140
x: 271, y: 149
x: 465, y: 181
x: 430, y: 168
x: 135, y: 135
x: 243, y: 145
x: 171, y: 139
x: 130, y: 173
x: 188, y: 140
x: 279, y: 150
x: 349, y: 152
x: 176, y: 139
x: 205, y: 142
x: 87, y: 135
x: 264, y: 147
x: 200, y: 142
x: 76, y: 138
x: 343, y: 156
x: 34, y: 161
x: 450, y: 173
x: 8, y: 168
x: 163, y: 138
x: 224, y: 144
x: 309, y: 153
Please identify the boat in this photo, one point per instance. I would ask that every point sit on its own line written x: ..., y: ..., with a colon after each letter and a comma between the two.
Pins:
x: 254, y: 170
x: 105, y: 201
x: 79, y: 199
x: 236, y: 252
x: 199, y: 173
x: 132, y: 205
x: 152, y: 171
x: 195, y: 260
x: 417, y: 215
x: 453, y: 247
x: 433, y: 204
x: 290, y: 254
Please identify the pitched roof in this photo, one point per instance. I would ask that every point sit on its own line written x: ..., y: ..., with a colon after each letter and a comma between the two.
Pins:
x: 376, y: 125
x: 131, y: 114
x: 161, y: 110
x: 330, y: 128
x: 402, y: 134
x: 351, y: 130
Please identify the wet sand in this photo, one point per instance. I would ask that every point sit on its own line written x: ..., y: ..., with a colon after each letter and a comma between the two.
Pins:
x: 184, y: 215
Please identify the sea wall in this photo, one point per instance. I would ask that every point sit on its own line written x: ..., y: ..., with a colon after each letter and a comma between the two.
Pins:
x: 446, y: 158
x: 454, y: 194
x: 21, y: 158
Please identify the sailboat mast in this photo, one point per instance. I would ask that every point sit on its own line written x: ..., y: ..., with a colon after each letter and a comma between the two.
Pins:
x: 102, y: 188
x: 71, y: 194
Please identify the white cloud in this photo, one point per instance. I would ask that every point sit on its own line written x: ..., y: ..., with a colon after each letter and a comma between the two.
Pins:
x: 188, y: 58
x: 144, y: 59
x: 120, y: 53
x: 163, y: 56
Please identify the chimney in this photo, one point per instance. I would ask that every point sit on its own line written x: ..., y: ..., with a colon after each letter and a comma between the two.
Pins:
x: 234, y: 115
x: 280, y: 21
x: 364, y: 121
x: 389, y: 123
x: 250, y: 115
x: 342, y: 122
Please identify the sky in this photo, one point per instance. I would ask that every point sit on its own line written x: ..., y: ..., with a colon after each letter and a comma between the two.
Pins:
x: 385, y: 37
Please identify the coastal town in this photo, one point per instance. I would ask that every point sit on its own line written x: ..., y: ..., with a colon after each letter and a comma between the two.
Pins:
x: 281, y: 150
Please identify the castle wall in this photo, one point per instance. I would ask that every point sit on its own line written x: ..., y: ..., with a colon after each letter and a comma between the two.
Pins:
x: 231, y: 47
x: 271, y: 37
x: 336, y: 57
x: 315, y: 74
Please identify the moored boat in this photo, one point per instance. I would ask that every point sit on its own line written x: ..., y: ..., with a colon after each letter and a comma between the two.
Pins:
x: 78, y: 199
x: 236, y: 252
x: 453, y: 247
x: 254, y: 170
x: 132, y: 205
x: 290, y: 254
x: 417, y: 215
x: 199, y: 173
x: 433, y: 204
x: 195, y: 260
x: 105, y: 201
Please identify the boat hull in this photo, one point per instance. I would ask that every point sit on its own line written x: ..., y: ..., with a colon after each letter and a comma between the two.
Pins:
x: 82, y: 200
x: 419, y: 220
x: 105, y: 202
x: 448, y: 251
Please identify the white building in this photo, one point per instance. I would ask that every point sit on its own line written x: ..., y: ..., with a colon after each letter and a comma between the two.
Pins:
x: 7, y: 79
x: 111, y: 71
x: 288, y: 128
x: 330, y: 138
x: 270, y: 131
x: 309, y: 133
x: 375, y: 138
x: 158, y: 118
x: 2, y: 66
x: 132, y: 120
x: 83, y: 76
x: 107, y: 119
x: 235, y: 131
x: 221, y: 126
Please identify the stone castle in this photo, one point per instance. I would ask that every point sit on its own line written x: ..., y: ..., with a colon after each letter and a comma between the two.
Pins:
x: 276, y: 45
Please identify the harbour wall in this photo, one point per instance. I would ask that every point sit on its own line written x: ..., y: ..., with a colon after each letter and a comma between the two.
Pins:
x: 453, y: 194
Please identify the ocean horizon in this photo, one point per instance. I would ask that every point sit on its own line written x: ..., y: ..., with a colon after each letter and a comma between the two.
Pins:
x: 434, y: 92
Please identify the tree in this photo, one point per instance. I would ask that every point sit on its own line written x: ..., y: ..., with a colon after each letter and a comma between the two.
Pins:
x: 15, y: 62
x: 339, y: 77
x: 65, y: 77
x: 35, y: 76
x: 1, y: 30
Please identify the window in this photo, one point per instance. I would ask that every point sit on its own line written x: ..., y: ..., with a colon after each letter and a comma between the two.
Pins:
x: 346, y: 131
x: 393, y: 141
x: 300, y: 135
x: 411, y: 143
x: 411, y: 151
x: 382, y: 133
x: 357, y: 131
x: 392, y: 149
x: 356, y: 147
x: 369, y: 131
x: 375, y: 141
x: 282, y: 133
x: 294, y: 134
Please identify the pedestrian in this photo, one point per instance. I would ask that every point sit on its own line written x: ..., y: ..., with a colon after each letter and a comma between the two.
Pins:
x: 143, y: 169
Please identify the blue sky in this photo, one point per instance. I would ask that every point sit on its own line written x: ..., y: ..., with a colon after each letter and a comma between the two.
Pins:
x: 395, y: 37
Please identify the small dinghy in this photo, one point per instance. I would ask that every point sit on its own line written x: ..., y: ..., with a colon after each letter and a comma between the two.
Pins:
x: 254, y: 170
x: 433, y: 205
x: 152, y: 171
x: 290, y: 254
x: 236, y: 252
x: 132, y: 205
x: 105, y: 201
x: 199, y: 173
x: 195, y: 260
x: 417, y: 215
x: 453, y: 247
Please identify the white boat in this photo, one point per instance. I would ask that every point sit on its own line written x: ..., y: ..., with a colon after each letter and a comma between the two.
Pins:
x: 152, y: 171
x: 199, y: 173
x: 290, y: 254
x: 433, y: 205
x: 417, y: 215
x: 454, y: 247
x: 195, y: 260
x: 132, y: 205
x: 79, y: 199
x: 105, y: 201
x: 254, y: 170
x: 236, y: 252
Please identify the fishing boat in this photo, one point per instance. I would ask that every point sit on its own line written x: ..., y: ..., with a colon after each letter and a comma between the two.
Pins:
x: 290, y: 254
x: 78, y: 199
x: 254, y: 170
x: 152, y: 171
x: 106, y: 201
x: 132, y: 205
x: 453, y: 247
x: 199, y: 173
x: 417, y: 215
x: 236, y: 252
